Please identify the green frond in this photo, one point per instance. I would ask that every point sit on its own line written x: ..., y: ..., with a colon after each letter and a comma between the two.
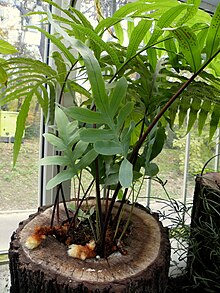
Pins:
x: 91, y: 35
x: 213, y: 38
x: 191, y: 11
x: 17, y: 63
x: 65, y: 11
x: 203, y: 114
x: 82, y: 18
x: 193, y: 113
x: 189, y: 46
x: 6, y: 48
x: 214, y: 123
x: 165, y: 21
x: 20, y: 127
x: 137, y: 36
x: 75, y: 87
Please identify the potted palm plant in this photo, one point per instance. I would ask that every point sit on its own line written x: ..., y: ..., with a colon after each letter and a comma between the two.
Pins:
x: 124, y: 96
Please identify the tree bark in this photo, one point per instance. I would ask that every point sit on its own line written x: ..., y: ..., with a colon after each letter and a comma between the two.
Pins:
x: 48, y: 268
x: 204, y: 257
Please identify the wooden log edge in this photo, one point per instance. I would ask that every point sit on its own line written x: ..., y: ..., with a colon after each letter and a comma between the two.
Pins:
x: 48, y: 268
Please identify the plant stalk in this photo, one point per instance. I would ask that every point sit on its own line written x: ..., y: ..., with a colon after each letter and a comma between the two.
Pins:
x: 166, y: 107
x: 134, y: 154
x: 98, y: 198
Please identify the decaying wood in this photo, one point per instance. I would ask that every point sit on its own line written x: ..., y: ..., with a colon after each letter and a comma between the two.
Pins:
x: 48, y: 268
x: 205, y: 226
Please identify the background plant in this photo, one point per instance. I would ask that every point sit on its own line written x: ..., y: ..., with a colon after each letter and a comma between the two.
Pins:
x: 201, y: 148
x: 176, y: 215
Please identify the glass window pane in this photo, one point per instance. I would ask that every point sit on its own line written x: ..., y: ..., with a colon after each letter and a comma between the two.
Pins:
x: 19, y: 185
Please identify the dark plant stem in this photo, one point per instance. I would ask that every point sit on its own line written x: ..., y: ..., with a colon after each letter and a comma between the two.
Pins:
x: 98, y: 198
x: 135, y: 55
x: 72, y: 223
x: 66, y: 78
x: 139, y: 52
x: 126, y: 190
x: 121, y: 206
x: 203, y: 169
x: 107, y: 200
x: 135, y: 151
x: 79, y: 188
x: 64, y: 202
x: 107, y: 219
x: 56, y: 202
x: 166, y: 107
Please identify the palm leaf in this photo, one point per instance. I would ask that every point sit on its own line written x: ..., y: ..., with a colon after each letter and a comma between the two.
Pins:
x: 85, y: 31
x: 137, y: 36
x: 119, y: 33
x: 65, y: 11
x: 6, y: 48
x: 189, y: 46
x: 75, y: 87
x: 214, y: 121
x: 82, y: 18
x: 20, y: 127
x: 183, y: 108
x: 3, y: 76
x: 131, y: 8
x: 58, y: 43
x: 194, y: 109
x: 213, y: 37
x: 191, y: 11
x: 61, y: 67
x: 165, y: 21
x: 172, y: 52
x: 118, y: 94
x: 203, y: 114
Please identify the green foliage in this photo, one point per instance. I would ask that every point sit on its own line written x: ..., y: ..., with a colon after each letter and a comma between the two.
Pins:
x: 177, y: 215
x: 3, y: 76
x: 6, y: 48
x: 201, y: 149
x: 117, y: 129
x: 124, y: 108
x: 213, y: 38
x: 153, y: 78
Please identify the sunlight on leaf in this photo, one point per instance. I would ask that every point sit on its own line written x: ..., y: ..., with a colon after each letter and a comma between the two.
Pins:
x: 6, y: 48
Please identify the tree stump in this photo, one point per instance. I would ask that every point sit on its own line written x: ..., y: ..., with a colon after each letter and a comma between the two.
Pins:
x: 48, y: 268
x: 204, y: 255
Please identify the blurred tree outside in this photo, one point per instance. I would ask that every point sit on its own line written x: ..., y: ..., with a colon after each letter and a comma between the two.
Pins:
x: 29, y: 43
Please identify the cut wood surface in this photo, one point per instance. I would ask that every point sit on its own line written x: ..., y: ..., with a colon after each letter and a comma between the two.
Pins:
x: 212, y: 180
x: 144, y: 267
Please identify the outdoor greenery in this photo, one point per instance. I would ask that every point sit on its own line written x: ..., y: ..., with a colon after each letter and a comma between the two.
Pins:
x: 201, y: 148
x: 128, y: 77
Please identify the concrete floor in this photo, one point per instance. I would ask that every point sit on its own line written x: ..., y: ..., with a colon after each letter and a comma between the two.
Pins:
x: 8, y: 224
x: 4, y: 278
